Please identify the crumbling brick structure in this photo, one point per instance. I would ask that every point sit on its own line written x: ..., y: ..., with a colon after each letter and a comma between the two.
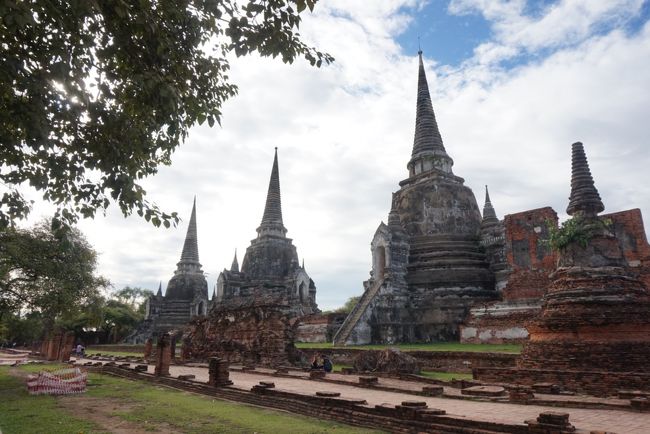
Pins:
x: 258, y: 331
x: 595, y: 314
x: 148, y: 348
x: 218, y: 373
x: 58, y: 346
x: 596, y: 311
x: 529, y: 261
x: 163, y: 355
x: 255, y: 311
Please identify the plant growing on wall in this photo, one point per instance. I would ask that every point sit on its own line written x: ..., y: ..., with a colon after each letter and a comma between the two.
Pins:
x: 576, y: 230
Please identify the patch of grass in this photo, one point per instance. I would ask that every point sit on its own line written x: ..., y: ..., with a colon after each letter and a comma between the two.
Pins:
x: 197, y: 414
x: 339, y: 368
x: 24, y: 414
x: 38, y: 367
x: 315, y: 345
x: 437, y: 346
x: 446, y: 376
x: 115, y: 353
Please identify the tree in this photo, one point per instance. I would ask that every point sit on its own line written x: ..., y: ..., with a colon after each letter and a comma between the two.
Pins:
x: 349, y: 305
x: 96, y: 95
x: 46, y: 271
x: 107, y: 320
x: 134, y: 297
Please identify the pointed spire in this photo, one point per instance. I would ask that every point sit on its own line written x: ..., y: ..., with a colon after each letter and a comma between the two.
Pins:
x: 427, y: 141
x: 303, y: 264
x: 489, y: 215
x: 272, y: 219
x: 214, y: 293
x: 427, y: 135
x: 190, y: 255
x: 159, y: 293
x: 584, y: 199
x: 235, y: 264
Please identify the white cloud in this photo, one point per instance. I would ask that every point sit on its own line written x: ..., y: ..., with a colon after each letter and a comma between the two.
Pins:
x: 562, y: 24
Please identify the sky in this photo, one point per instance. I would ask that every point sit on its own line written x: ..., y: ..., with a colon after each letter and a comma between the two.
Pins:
x: 513, y: 84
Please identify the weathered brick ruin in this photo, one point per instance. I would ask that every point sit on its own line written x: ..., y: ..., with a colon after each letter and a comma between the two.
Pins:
x: 526, y: 268
x: 593, y: 331
x: 58, y: 346
x: 163, y: 355
x: 258, y: 331
x: 596, y: 312
x: 186, y: 295
x: 319, y: 327
x: 256, y: 311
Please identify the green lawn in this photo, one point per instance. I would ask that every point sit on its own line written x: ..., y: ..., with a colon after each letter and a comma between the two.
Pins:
x: 338, y: 368
x: 147, y: 406
x: 446, y: 376
x: 438, y: 346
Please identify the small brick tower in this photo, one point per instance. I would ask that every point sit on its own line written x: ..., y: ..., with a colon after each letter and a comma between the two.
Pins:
x: 596, y: 313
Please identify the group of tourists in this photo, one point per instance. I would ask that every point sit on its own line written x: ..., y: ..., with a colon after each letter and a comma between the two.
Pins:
x: 326, y: 364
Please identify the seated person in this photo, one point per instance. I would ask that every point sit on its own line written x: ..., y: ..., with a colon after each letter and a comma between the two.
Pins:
x: 327, y: 364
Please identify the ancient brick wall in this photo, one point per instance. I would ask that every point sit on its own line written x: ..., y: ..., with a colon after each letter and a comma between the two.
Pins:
x: 529, y: 258
x: 500, y: 323
x: 628, y: 228
x: 54, y: 346
x: 163, y: 355
x: 596, y: 383
x: 260, y: 333
x: 67, y: 345
x: 450, y: 361
x: 530, y: 262
x: 391, y: 418
x: 319, y: 327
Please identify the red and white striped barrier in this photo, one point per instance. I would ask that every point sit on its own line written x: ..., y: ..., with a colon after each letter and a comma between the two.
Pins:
x: 60, y: 382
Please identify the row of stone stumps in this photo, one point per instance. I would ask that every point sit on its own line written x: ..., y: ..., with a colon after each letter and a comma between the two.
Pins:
x: 58, y: 346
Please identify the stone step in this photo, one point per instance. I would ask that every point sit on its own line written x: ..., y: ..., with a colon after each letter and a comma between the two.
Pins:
x: 442, y: 264
x: 451, y: 238
x: 172, y: 309
x: 351, y: 321
x: 446, y: 255
x: 461, y: 246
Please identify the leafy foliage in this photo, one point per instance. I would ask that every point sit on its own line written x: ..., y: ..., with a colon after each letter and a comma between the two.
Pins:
x: 576, y: 230
x: 99, y: 320
x: 349, y: 305
x: 96, y: 95
x: 51, y: 272
x: 134, y: 297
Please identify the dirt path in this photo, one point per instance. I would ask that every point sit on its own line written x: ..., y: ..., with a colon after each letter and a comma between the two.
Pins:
x: 102, y: 412
x: 10, y: 358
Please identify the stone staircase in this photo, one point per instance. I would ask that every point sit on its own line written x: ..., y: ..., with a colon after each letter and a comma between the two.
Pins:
x: 342, y: 336
x: 173, y: 314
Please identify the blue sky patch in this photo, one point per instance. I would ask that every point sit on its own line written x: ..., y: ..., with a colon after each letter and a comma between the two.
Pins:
x: 449, y: 39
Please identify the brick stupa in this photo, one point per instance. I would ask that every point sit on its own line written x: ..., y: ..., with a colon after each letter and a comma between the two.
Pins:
x: 596, y: 313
